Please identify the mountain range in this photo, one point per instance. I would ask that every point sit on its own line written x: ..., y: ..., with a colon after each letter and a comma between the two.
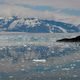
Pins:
x: 35, y: 25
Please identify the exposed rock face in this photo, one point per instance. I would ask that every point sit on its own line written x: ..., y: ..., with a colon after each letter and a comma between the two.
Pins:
x: 76, y: 39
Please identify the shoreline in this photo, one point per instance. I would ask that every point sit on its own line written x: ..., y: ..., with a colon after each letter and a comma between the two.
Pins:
x: 35, y: 33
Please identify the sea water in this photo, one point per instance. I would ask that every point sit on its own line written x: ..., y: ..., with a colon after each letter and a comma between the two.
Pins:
x: 27, y: 56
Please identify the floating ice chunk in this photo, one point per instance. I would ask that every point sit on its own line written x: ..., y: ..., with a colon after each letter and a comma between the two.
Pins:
x: 52, y: 51
x: 23, y: 69
x: 39, y: 60
x: 10, y: 76
x: 1, y: 48
x: 29, y: 48
x: 66, y: 69
x: 75, y: 75
x: 77, y: 60
x: 60, y: 78
x: 25, y: 45
x: 72, y: 67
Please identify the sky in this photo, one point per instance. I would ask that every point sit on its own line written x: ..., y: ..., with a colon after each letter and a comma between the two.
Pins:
x: 51, y: 9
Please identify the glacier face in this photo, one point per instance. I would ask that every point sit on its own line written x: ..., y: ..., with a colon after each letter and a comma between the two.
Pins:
x: 35, y: 25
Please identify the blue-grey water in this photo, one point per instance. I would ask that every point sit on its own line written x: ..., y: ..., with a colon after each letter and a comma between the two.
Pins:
x: 39, y: 57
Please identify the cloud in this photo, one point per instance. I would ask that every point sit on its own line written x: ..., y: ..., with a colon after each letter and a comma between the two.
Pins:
x: 70, y: 7
x: 10, y: 10
x: 73, y: 4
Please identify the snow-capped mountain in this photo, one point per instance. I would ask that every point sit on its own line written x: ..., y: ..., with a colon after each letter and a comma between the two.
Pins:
x: 35, y: 25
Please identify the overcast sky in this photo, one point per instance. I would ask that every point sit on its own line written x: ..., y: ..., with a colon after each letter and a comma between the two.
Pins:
x: 40, y: 8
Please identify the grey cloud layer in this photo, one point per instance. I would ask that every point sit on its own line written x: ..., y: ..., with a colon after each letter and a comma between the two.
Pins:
x: 53, y: 3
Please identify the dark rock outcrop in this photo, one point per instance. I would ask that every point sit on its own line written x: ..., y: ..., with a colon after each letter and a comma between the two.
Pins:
x: 76, y: 39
